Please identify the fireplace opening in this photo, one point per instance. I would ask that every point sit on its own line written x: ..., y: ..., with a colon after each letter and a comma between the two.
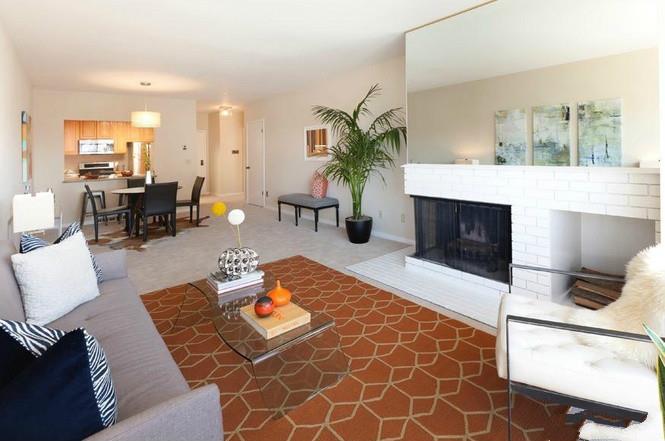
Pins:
x: 473, y: 237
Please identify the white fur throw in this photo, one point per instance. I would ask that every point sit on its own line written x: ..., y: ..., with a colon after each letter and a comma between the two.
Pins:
x: 642, y: 301
x: 55, y: 279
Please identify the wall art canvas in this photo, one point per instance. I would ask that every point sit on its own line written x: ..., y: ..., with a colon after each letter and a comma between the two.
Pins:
x: 551, y: 135
x: 510, y: 137
x: 26, y: 152
x: 599, y: 133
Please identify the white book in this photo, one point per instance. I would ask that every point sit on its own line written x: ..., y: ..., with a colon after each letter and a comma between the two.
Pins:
x: 218, y: 279
x: 220, y: 286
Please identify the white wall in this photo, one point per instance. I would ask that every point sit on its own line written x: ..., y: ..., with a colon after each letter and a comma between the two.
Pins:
x: 458, y: 121
x: 14, y: 98
x: 170, y: 160
x: 202, y: 120
x: 287, y: 171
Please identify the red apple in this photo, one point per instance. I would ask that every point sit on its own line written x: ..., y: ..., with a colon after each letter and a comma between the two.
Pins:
x: 264, y: 306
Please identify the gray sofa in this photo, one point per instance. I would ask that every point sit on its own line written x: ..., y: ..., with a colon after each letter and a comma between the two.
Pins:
x: 154, y: 400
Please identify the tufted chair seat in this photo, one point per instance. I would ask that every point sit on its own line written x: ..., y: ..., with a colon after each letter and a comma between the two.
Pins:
x: 564, y: 362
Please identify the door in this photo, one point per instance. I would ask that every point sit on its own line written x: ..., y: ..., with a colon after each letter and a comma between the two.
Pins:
x: 202, y: 157
x: 255, y: 166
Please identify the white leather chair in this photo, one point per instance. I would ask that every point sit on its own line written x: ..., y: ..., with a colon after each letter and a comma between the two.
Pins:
x: 541, y: 358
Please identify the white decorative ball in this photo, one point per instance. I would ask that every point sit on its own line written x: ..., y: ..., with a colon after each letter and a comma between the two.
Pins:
x: 236, y: 217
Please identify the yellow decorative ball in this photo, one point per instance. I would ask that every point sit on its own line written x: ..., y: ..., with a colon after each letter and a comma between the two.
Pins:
x: 218, y: 208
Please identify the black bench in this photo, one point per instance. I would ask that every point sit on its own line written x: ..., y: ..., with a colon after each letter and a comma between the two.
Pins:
x: 303, y: 200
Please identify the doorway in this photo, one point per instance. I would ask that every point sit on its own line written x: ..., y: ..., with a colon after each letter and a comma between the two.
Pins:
x: 255, y: 166
x: 202, y: 157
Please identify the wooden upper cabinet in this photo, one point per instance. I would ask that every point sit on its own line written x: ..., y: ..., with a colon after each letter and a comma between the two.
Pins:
x: 141, y: 134
x: 72, y: 130
x: 121, y: 136
x: 147, y: 135
x: 88, y: 129
x: 105, y: 129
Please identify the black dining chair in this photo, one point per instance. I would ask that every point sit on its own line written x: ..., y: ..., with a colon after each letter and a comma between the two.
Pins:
x: 132, y: 183
x: 104, y: 213
x: 195, y: 201
x: 159, y: 200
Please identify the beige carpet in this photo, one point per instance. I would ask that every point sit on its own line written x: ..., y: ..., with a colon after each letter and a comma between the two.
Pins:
x: 193, y: 252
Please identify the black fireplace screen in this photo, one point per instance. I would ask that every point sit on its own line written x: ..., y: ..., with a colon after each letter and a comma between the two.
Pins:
x: 473, y: 237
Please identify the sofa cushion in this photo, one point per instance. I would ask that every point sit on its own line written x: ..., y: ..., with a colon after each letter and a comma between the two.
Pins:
x: 55, y: 279
x: 144, y: 373
x: 53, y: 397
x: 37, y: 340
x: 28, y: 243
x: 11, y: 306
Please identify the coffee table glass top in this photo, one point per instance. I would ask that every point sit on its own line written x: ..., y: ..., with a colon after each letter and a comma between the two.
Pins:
x: 289, y: 369
x: 240, y: 335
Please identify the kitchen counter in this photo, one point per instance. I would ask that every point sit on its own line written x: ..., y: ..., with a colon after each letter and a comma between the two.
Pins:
x: 101, y: 179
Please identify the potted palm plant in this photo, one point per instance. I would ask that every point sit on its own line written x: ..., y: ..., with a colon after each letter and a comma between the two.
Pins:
x: 360, y: 153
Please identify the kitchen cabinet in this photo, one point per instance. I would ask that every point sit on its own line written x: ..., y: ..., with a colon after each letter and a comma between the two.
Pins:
x: 121, y: 135
x: 88, y: 130
x: 147, y: 135
x: 141, y: 134
x: 105, y: 129
x: 72, y: 130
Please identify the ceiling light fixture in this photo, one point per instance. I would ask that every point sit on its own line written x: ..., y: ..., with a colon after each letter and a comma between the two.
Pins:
x: 225, y: 110
x: 144, y: 118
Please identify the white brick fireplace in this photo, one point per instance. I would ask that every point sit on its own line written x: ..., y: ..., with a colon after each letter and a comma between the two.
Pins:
x: 537, y: 196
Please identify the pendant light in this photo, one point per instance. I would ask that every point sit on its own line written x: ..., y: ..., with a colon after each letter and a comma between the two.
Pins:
x: 144, y: 118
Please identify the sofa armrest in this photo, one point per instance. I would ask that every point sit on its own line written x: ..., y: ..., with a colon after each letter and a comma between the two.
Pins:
x: 113, y: 264
x: 194, y: 416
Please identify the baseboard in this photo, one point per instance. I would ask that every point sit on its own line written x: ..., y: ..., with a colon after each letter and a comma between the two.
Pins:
x: 379, y: 234
x: 229, y: 195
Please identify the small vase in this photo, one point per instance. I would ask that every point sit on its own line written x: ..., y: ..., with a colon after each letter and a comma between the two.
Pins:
x: 148, y: 177
x: 236, y: 262
x: 280, y: 295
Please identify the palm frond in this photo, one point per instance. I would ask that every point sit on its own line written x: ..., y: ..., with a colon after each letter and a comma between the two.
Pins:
x: 359, y: 154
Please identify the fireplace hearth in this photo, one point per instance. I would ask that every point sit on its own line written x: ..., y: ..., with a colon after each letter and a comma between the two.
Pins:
x: 473, y: 237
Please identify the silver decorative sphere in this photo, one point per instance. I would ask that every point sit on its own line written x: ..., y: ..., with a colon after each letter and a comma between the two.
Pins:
x: 236, y: 262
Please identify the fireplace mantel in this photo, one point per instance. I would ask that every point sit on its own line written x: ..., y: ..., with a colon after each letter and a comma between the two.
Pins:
x: 533, y: 192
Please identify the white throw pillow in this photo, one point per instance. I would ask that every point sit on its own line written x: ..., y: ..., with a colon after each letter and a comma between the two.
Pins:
x: 55, y: 279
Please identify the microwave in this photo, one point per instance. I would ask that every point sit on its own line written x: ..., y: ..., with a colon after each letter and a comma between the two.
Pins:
x: 96, y: 146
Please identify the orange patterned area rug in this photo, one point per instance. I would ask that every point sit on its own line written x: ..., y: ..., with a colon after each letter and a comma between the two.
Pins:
x: 414, y: 374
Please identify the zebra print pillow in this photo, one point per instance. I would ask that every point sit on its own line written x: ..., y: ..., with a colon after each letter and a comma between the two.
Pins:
x: 38, y: 339
x: 30, y: 243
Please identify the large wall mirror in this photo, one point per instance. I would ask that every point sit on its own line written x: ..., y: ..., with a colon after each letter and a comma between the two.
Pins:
x: 536, y: 82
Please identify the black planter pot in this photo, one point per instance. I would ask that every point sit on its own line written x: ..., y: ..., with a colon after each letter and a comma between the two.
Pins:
x: 359, y: 230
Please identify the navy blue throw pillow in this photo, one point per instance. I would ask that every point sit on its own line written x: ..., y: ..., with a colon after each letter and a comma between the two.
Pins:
x: 13, y: 358
x: 29, y: 243
x: 53, y: 398
x: 22, y: 348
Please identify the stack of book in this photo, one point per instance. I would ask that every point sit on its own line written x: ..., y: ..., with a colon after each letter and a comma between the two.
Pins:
x: 222, y: 285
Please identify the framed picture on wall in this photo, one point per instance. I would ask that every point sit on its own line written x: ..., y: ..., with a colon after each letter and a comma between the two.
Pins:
x: 317, y: 143
x: 26, y: 152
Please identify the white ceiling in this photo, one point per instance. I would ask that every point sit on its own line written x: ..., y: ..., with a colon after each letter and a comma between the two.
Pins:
x: 215, y: 51
x: 516, y: 35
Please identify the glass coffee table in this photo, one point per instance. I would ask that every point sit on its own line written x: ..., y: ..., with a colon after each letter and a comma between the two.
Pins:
x: 290, y: 368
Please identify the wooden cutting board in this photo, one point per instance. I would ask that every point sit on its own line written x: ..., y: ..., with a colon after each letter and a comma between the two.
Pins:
x: 283, y: 319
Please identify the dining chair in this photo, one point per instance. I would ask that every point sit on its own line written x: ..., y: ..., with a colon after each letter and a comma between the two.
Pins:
x: 104, y: 213
x: 132, y: 183
x: 159, y: 200
x: 195, y: 200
